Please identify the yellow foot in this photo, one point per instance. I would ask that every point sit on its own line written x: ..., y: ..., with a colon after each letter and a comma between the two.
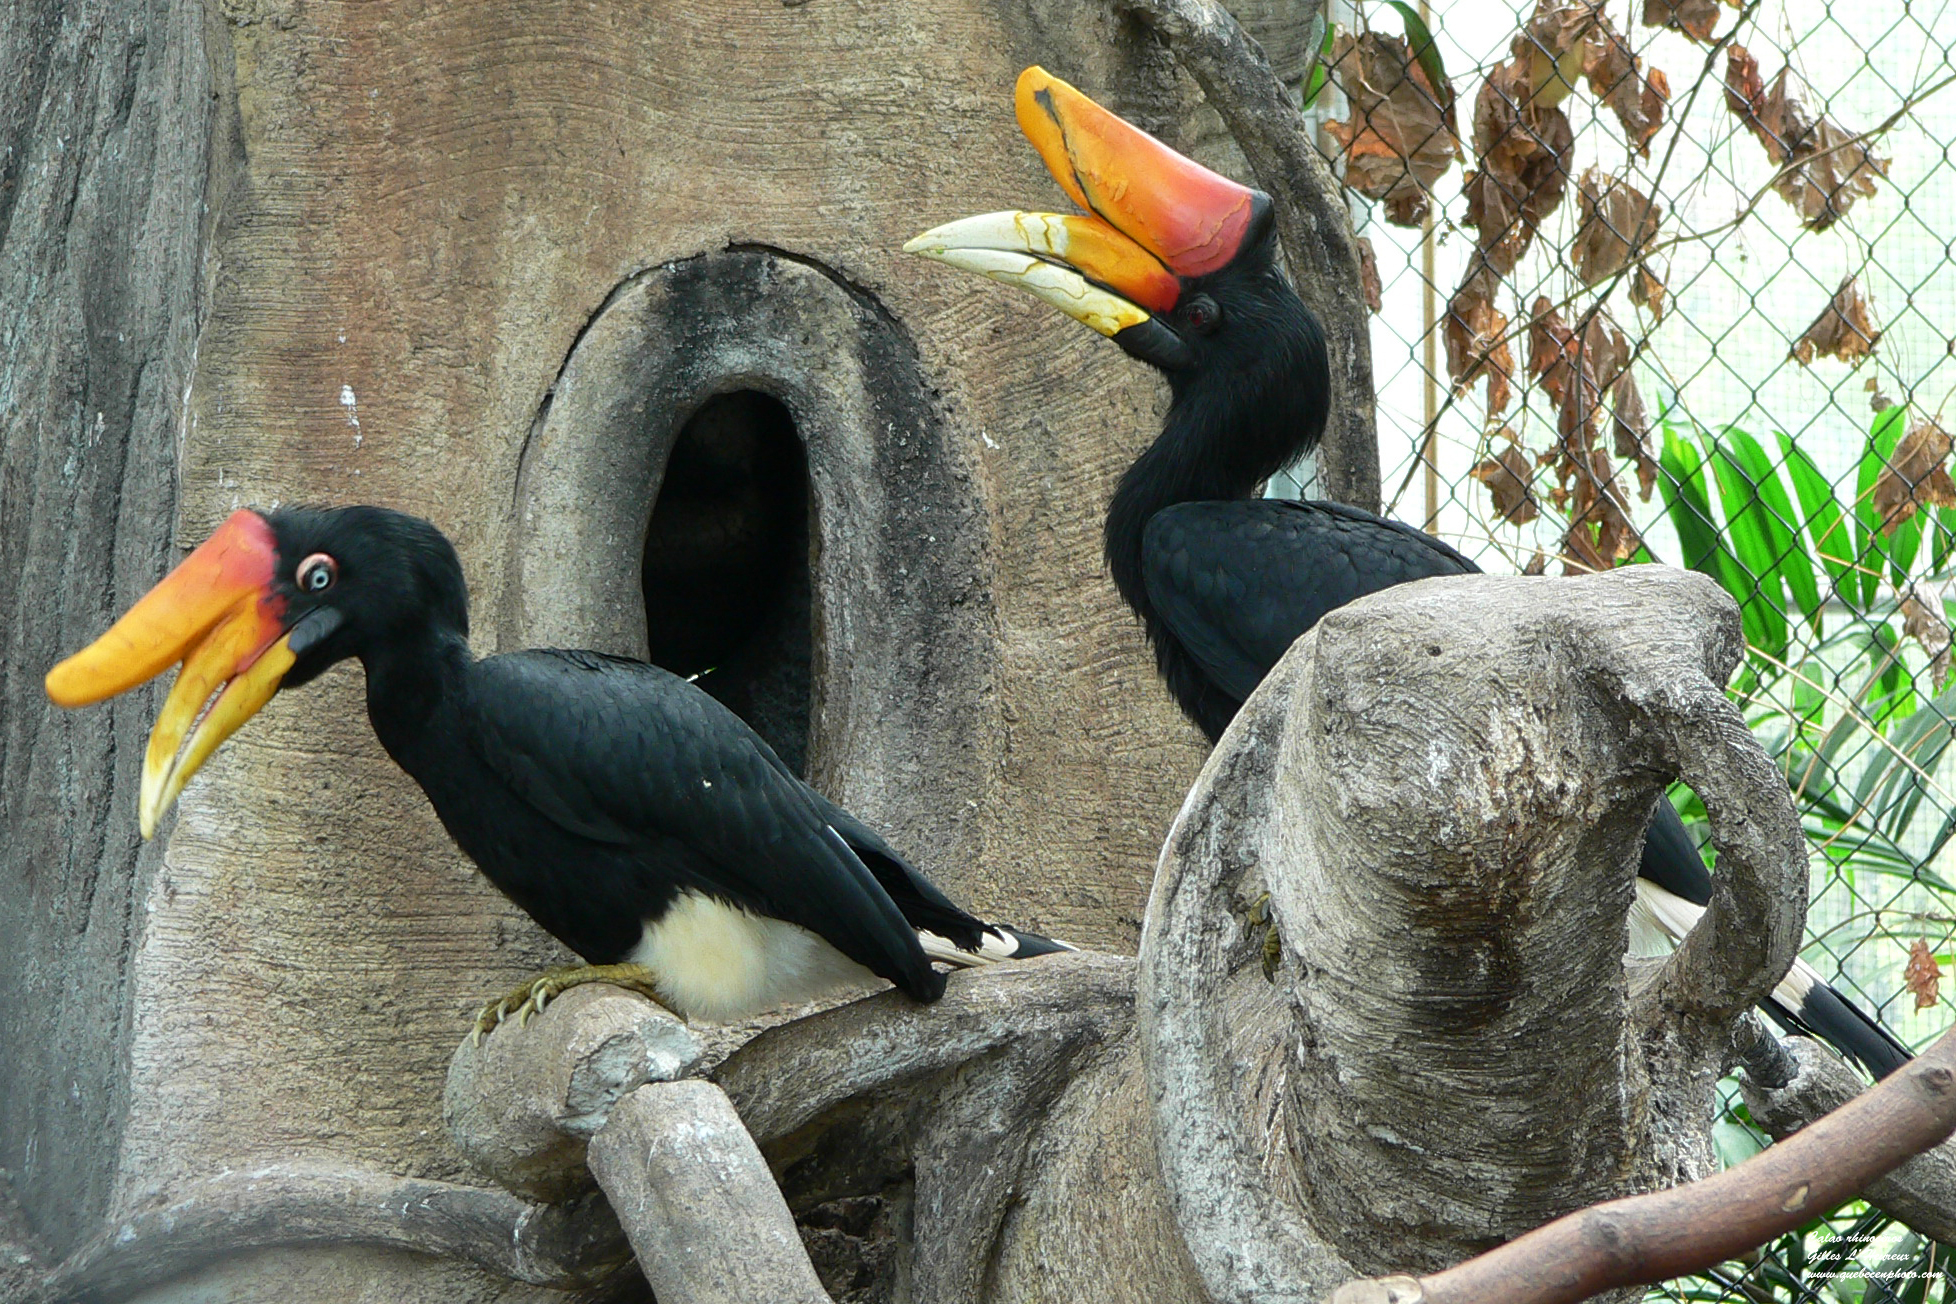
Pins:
x: 529, y: 998
x: 1259, y: 916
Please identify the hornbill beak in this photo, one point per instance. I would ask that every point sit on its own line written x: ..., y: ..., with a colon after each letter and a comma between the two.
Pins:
x: 219, y: 614
x: 1157, y: 219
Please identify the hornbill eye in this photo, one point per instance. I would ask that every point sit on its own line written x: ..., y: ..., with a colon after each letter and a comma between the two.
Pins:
x: 317, y: 573
x: 1202, y: 314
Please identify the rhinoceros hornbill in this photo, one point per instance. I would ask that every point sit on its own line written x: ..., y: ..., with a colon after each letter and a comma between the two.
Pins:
x: 633, y: 816
x: 1178, y: 266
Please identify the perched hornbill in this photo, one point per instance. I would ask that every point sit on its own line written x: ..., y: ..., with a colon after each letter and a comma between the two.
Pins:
x: 634, y: 817
x: 1178, y: 266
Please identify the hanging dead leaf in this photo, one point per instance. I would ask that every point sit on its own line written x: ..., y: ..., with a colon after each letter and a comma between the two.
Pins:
x: 1537, y: 565
x: 1630, y: 431
x: 1844, y: 329
x: 1824, y: 167
x: 1399, y: 140
x: 1615, y: 220
x: 1368, y: 274
x: 1915, y: 476
x: 1922, y: 976
x: 1507, y: 475
x: 1647, y: 290
x: 1551, y: 346
x: 1923, y: 621
x: 1600, y: 532
x: 1477, y: 344
x: 1695, y: 18
x: 1616, y: 77
x: 1521, y: 152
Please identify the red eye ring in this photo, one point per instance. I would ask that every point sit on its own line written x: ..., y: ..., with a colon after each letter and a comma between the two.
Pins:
x: 316, y: 573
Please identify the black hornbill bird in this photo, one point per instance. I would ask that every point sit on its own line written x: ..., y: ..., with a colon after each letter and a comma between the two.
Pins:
x: 1178, y: 266
x: 631, y: 815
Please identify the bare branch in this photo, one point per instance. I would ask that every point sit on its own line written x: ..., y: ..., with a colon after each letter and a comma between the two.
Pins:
x: 1651, y: 1238
x: 566, y: 1246
x: 698, y: 1201
x: 1312, y: 220
x: 1921, y: 1192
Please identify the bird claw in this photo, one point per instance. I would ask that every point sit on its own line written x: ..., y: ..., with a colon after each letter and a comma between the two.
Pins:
x: 527, y: 1000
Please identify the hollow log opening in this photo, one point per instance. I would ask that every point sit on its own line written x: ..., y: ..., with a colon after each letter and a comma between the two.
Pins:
x: 727, y: 566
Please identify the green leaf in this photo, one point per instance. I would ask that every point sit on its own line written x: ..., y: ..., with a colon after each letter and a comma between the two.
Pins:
x: 1321, y: 70
x: 1792, y: 563
x: 1752, y: 539
x: 1687, y: 501
x: 1425, y: 49
x: 1825, y: 523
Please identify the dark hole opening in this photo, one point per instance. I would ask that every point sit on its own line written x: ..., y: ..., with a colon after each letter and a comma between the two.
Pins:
x: 727, y: 565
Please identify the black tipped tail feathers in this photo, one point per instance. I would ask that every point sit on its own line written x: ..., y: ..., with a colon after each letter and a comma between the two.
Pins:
x: 1816, y: 1008
x: 995, y: 943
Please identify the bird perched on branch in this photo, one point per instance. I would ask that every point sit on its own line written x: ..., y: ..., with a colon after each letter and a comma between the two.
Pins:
x: 1178, y: 266
x: 635, y: 818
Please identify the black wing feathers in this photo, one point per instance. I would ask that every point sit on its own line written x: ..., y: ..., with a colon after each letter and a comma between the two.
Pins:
x: 624, y: 754
x: 1237, y: 582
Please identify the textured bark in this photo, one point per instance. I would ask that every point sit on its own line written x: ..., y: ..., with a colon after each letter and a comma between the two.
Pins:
x: 107, y: 124
x: 1649, y: 1238
x: 1452, y: 906
x: 704, y: 1215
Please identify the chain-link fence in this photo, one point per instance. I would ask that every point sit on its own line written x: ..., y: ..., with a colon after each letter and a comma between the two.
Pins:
x: 1675, y: 280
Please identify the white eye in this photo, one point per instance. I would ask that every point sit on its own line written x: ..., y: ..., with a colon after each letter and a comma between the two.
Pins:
x: 317, y: 573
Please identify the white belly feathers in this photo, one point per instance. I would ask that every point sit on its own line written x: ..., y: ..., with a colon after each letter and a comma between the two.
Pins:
x: 717, y: 962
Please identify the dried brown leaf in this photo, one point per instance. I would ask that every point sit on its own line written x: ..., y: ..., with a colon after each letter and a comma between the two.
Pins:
x: 1368, y: 274
x: 1615, y: 221
x: 1600, y: 532
x: 1521, y: 152
x: 1476, y: 337
x: 1551, y: 348
x: 1824, y: 167
x: 1630, y: 431
x: 1922, y: 620
x: 1398, y: 141
x: 1616, y: 77
x: 1915, y: 476
x: 1844, y: 329
x: 1647, y: 290
x: 1922, y: 976
x: 1695, y: 18
x: 1507, y: 475
x: 1537, y: 565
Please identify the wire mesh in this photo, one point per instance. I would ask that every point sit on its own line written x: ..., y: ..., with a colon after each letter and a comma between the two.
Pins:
x: 1675, y: 281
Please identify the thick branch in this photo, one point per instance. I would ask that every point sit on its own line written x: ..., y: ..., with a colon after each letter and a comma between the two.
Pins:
x: 1312, y: 220
x: 1921, y: 1192
x: 698, y: 1201
x: 1652, y: 1238
x: 1245, y: 1245
x: 565, y: 1246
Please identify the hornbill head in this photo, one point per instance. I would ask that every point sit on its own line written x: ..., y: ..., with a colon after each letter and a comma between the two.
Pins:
x: 267, y: 602
x: 1174, y: 263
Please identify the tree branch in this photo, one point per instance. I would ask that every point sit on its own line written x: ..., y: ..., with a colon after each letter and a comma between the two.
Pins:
x: 566, y: 1246
x: 1921, y: 1192
x: 1312, y: 220
x: 1652, y: 1238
